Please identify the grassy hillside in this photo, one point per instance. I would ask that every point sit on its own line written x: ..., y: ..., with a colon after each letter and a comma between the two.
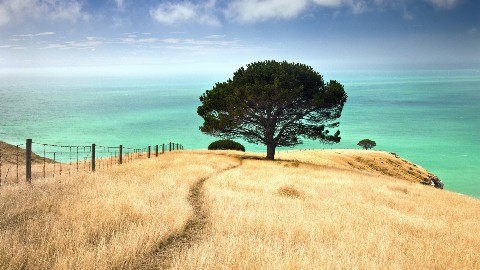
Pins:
x: 326, y: 209
x: 9, y: 153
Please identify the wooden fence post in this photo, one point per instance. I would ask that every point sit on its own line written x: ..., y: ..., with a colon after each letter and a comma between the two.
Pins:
x: 93, y: 157
x: 148, y: 151
x: 1, y: 168
x: 156, y: 150
x: 170, y: 147
x: 28, y: 160
x: 120, y: 153
x: 17, y: 162
x: 163, y: 148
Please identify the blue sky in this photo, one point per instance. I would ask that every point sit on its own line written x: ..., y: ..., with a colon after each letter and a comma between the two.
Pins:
x: 218, y: 36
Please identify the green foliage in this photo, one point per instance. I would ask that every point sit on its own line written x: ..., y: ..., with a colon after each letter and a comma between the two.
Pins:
x: 367, y: 144
x: 275, y: 104
x: 226, y: 145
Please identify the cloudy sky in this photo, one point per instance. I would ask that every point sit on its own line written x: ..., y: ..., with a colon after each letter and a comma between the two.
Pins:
x: 209, y: 36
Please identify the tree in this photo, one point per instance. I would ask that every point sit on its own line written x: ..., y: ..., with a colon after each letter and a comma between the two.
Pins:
x: 275, y: 104
x: 226, y: 145
x: 367, y: 144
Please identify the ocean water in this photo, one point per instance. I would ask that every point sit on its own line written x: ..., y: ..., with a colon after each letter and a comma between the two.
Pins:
x: 430, y: 117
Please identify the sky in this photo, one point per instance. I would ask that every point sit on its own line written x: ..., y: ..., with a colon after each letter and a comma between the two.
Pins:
x: 219, y: 36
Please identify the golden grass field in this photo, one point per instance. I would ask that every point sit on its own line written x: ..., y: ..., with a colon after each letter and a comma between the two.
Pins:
x: 324, y: 209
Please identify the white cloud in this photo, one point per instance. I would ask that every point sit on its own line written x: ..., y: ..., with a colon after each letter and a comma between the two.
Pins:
x: 4, y: 15
x: 20, y: 10
x: 172, y: 40
x: 175, y: 13
x: 45, y: 34
x: 55, y: 46
x: 216, y: 36
x: 88, y: 43
x: 444, y: 3
x: 357, y: 6
x: 62, y: 10
x: 211, y: 42
x: 250, y: 11
x: 120, y: 3
x: 201, y: 45
x: 328, y: 3
x: 35, y: 35
x: 134, y: 40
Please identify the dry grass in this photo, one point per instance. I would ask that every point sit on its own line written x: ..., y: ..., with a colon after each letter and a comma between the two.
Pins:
x: 105, y: 220
x: 345, y: 219
x: 312, y: 210
x: 289, y: 191
x: 364, y: 161
x: 9, y: 153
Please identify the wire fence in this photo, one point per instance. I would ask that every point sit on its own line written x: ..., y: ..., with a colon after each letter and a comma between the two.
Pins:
x: 36, y: 160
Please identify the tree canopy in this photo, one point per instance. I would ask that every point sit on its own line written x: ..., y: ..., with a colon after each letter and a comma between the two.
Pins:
x: 275, y: 104
x: 367, y: 144
x: 226, y: 145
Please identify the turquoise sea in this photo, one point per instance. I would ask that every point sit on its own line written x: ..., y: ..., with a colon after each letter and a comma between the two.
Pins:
x: 430, y: 117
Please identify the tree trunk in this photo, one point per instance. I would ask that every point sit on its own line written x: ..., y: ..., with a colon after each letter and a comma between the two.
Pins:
x: 271, y: 151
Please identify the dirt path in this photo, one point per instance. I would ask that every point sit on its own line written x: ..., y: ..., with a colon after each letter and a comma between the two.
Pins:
x: 161, y: 258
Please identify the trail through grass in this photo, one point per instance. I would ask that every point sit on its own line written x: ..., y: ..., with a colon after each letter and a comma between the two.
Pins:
x: 328, y: 209
x: 105, y: 220
x: 193, y: 230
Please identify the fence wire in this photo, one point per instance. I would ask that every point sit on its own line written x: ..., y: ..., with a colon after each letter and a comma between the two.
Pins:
x: 55, y: 160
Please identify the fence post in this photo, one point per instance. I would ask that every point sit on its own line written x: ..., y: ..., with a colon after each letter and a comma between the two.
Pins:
x: 163, y: 148
x: 120, y: 153
x: 93, y: 157
x: 1, y: 168
x: 169, y: 146
x: 156, y: 150
x: 148, y: 155
x: 17, y: 162
x: 28, y: 160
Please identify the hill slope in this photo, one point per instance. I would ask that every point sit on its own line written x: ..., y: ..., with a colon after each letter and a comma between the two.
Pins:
x: 9, y: 154
x: 388, y: 164
x: 330, y: 209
